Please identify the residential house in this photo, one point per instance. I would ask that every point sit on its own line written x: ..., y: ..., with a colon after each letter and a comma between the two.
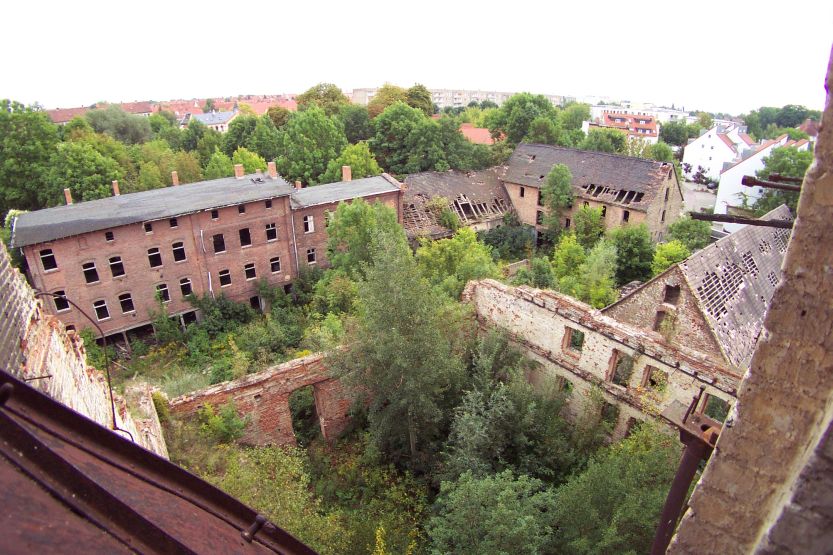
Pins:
x: 715, y: 147
x: 218, y: 121
x: 640, y: 126
x: 734, y: 198
x: 627, y: 189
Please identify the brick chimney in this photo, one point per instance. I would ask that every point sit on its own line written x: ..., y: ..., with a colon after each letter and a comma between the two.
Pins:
x: 116, y: 191
x: 346, y: 173
x: 238, y: 171
x: 273, y: 170
x: 175, y: 177
x: 298, y: 185
x: 68, y: 196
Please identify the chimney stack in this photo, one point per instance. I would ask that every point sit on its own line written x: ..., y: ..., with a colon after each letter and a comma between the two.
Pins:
x: 175, y: 177
x: 346, y: 173
x: 273, y: 170
x: 116, y: 191
x: 297, y: 185
x: 238, y: 171
x: 68, y: 196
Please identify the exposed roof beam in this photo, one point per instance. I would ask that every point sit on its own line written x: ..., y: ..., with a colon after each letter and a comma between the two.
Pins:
x: 782, y: 224
x: 751, y: 181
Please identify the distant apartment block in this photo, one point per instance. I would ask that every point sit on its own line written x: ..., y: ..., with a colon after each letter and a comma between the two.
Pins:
x: 456, y: 98
x: 637, y: 126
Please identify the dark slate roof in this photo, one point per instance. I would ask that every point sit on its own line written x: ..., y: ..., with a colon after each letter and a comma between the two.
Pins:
x: 214, y: 118
x: 343, y: 190
x: 734, y: 280
x: 600, y: 176
x: 74, y: 219
x: 69, y: 485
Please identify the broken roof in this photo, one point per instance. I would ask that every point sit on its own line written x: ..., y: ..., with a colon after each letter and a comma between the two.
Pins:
x: 69, y: 485
x: 733, y: 281
x: 609, y: 178
x: 83, y: 217
x: 343, y: 190
x: 473, y: 196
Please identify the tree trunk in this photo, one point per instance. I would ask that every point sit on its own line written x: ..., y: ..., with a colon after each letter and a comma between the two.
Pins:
x: 411, y: 433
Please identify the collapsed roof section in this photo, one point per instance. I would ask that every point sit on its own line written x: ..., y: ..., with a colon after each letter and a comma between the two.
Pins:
x: 473, y: 197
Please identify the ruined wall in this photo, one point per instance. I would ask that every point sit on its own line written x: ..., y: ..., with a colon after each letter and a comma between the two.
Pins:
x: 35, y: 347
x: 689, y: 329
x: 264, y: 398
x: 768, y: 487
x: 540, y: 321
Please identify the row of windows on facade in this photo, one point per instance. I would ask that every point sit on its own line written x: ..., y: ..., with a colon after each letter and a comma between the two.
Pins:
x: 163, y: 294
x: 49, y: 262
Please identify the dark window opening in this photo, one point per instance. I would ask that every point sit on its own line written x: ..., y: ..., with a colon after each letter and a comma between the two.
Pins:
x: 659, y: 319
x: 275, y: 264
x: 90, y: 273
x: 179, y: 251
x: 254, y: 302
x: 310, y: 256
x: 189, y: 318
x: 305, y: 422
x: 245, y: 237
x: 148, y: 227
x: 70, y: 328
x: 268, y: 203
x: 154, y: 257
x: 539, y: 217
x: 47, y: 259
x: 610, y: 414
x: 241, y: 208
x: 215, y: 215
x: 523, y: 192
x: 271, y: 232
x: 108, y: 236
x: 626, y: 215
x: 101, y: 311
x: 173, y: 222
x: 604, y: 211
x: 662, y: 217
x: 225, y: 278
x: 162, y: 293
x: 672, y: 294
x: 309, y: 224
x: 540, y: 199
x: 116, y: 266
x: 219, y: 243
x: 185, y: 286
x: 622, y: 368
x: 566, y: 223
x: 666, y: 195
x: 126, y: 302
x: 654, y: 378
x: 249, y: 270
x: 61, y: 303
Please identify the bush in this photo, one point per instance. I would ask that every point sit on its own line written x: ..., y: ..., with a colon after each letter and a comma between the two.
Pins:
x: 223, y: 426
x: 139, y: 348
x: 160, y: 403
x: 97, y: 356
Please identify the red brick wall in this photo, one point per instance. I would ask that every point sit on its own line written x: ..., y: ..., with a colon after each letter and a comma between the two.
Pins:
x: 264, y: 398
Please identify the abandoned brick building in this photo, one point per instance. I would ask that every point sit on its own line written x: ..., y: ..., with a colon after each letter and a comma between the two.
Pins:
x: 114, y: 257
x: 627, y: 189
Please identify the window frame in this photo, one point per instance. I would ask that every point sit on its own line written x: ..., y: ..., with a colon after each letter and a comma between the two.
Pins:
x: 119, y: 263
x: 272, y: 262
x: 309, y: 223
x: 106, y: 308
x: 51, y: 256
x: 247, y: 232
x: 158, y: 254
x: 94, y: 268
x: 250, y: 266
x: 109, y: 236
x: 224, y: 275
x: 130, y: 300
x: 181, y: 247
x: 173, y: 222
x: 166, y: 298
x: 311, y: 252
x: 183, y: 282
x: 271, y: 227
x: 148, y: 227
x: 62, y: 295
x: 221, y: 241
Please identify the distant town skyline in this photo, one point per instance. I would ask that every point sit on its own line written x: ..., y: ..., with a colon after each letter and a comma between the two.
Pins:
x: 719, y: 57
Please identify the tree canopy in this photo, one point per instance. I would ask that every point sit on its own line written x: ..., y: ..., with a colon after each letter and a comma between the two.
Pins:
x: 589, y: 226
x: 514, y: 118
x: 694, y: 234
x: 358, y: 157
x: 634, y: 253
x: 557, y: 194
x: 120, y: 125
x: 325, y: 96
x: 667, y: 254
x: 386, y: 96
x: 787, y: 161
x: 606, y: 139
x: 451, y: 263
x: 307, y: 144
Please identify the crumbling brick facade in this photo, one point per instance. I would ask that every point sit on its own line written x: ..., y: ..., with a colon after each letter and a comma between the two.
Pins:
x: 659, y: 380
x: 768, y: 487
x: 263, y: 397
x: 35, y: 347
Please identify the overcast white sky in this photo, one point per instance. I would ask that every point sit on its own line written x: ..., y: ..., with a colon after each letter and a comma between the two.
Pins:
x: 726, y: 55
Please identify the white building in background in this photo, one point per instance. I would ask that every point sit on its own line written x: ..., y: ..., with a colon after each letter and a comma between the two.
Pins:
x: 456, y: 98
x: 732, y: 197
x: 662, y: 115
x: 722, y: 144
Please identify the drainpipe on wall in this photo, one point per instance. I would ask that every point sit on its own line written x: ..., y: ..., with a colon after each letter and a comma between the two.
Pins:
x: 294, y: 243
x: 210, y: 287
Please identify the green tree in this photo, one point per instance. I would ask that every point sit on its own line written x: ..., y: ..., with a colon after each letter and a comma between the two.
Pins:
x: 209, y: 143
x: 356, y: 121
x: 589, y: 226
x: 402, y: 356
x: 597, y: 276
x: 705, y: 120
x: 540, y: 274
x: 192, y: 134
x: 567, y: 259
x: 358, y: 157
x: 250, y: 160
x: 609, y: 140
x: 27, y: 142
x: 786, y: 161
x: 661, y: 152
x: 511, y: 241
x: 573, y: 115
x: 500, y: 514
x: 694, y: 234
x: 420, y: 98
x: 557, y: 194
x: 392, y: 129
x: 265, y: 139
x: 634, y: 253
x: 613, y: 505
x: 278, y: 115
x: 675, y: 133
x: 514, y: 117
x: 352, y: 230
x: 187, y: 167
x: 79, y: 167
x: 219, y: 166
x: 451, y: 263
x: 325, y: 96
x: 120, y: 125
x: 307, y: 144
x: 209, y: 106
x: 239, y: 131
x: 149, y: 178
x: 543, y: 130
x: 667, y: 254
x: 386, y: 96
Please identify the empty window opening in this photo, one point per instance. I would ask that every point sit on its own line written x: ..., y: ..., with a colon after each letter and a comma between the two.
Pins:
x: 610, y: 414
x: 659, y: 319
x: 539, y: 217
x: 666, y: 195
x: 621, y: 368
x: 126, y: 302
x: 573, y: 340
x: 305, y: 422
x: 309, y: 224
x: 672, y: 294
x: 185, y: 286
x: 268, y: 203
x: 662, y: 217
x: 716, y: 408
x: 621, y: 195
x: 47, y: 260
x: 101, y: 311
x: 245, y: 237
x: 173, y: 223
x: 566, y: 223
x: 311, y: 256
x: 523, y: 192
x: 241, y: 208
x: 215, y: 214
x: 225, y: 278
x: 275, y: 264
x: 148, y: 227
x: 271, y: 232
x: 162, y: 293
x: 61, y: 303
x: 638, y: 197
x: 604, y: 211
x: 654, y: 378
x: 249, y: 270
x: 189, y: 318
x: 154, y: 257
x: 116, y: 266
x: 108, y: 236
x: 254, y: 302
x: 586, y: 204
x: 179, y: 251
x: 540, y: 199
x: 626, y: 215
x: 90, y: 273
x: 751, y: 265
x: 219, y: 243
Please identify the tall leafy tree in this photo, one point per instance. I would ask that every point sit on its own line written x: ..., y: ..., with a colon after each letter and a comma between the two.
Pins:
x: 567, y: 259
x: 209, y: 106
x: 210, y: 142
x: 239, y: 131
x: 557, y: 194
x: 251, y: 161
x: 120, y: 125
x: 402, y: 356
x: 386, y: 96
x: 391, y: 132
x: 265, y: 139
x: 573, y: 115
x: 515, y: 116
x: 79, y: 167
x: 358, y: 157
x: 420, y: 98
x: 325, y: 96
x: 307, y: 144
x: 278, y: 115
x: 634, y: 253
x: 694, y: 234
x: 187, y: 167
x: 787, y: 161
x: 192, y: 134
x: 544, y: 130
x: 149, y: 178
x: 589, y: 225
x: 219, y: 165
x: 451, y: 263
x: 27, y: 141
x: 613, y: 141
x: 667, y: 254
x: 598, y: 276
x: 356, y: 121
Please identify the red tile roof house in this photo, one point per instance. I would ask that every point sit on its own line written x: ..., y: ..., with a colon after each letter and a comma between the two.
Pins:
x: 114, y: 257
x: 637, y: 126
x: 476, y: 135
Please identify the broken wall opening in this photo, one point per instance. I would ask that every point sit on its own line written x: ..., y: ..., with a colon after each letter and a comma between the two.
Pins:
x: 305, y: 421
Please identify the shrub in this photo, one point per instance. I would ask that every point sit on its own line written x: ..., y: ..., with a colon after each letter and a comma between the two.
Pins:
x: 224, y: 425
x: 161, y: 405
